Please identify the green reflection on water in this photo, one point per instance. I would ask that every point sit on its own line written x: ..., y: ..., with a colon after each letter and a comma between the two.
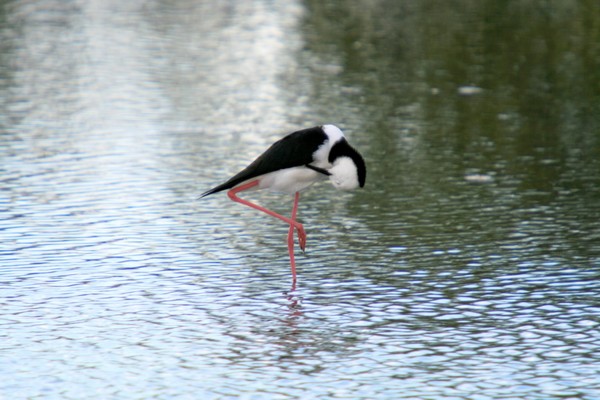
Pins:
x: 479, y: 119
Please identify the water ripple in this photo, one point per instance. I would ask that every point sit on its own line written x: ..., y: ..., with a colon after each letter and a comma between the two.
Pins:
x: 117, y: 282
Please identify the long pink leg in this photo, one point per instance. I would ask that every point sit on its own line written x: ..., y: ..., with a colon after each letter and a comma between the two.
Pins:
x: 290, y: 221
x: 301, y: 239
x: 301, y: 234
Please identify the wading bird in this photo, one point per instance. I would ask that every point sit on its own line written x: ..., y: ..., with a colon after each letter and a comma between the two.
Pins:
x: 294, y: 163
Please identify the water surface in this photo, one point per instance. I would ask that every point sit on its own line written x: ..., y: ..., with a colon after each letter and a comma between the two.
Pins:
x: 467, y: 268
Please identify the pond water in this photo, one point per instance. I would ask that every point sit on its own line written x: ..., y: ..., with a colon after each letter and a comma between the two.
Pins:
x: 467, y: 268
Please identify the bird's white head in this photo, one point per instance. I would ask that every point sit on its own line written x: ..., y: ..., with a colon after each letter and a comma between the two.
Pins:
x: 348, y: 169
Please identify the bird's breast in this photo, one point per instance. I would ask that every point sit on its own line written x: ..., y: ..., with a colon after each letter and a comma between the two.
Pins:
x: 290, y: 180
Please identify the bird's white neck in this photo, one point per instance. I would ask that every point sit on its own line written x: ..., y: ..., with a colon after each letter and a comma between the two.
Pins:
x: 334, y: 133
x: 344, y: 175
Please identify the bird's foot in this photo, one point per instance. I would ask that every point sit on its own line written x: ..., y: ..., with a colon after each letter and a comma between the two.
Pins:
x: 301, y: 236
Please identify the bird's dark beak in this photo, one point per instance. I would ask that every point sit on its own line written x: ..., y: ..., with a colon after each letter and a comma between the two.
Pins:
x: 319, y: 170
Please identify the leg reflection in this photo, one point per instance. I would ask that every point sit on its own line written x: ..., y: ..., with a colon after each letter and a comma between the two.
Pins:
x: 294, y: 300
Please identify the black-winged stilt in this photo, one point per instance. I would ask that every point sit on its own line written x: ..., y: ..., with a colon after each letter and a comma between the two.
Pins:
x: 294, y: 163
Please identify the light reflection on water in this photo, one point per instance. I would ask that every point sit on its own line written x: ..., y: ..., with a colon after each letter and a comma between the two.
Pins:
x: 117, y: 282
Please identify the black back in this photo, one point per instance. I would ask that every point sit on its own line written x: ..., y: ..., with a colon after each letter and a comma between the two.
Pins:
x: 293, y: 150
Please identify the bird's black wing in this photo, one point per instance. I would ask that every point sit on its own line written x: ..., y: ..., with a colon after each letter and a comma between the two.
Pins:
x: 293, y: 150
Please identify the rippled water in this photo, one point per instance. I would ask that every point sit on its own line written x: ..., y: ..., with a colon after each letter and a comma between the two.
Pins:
x: 468, y: 267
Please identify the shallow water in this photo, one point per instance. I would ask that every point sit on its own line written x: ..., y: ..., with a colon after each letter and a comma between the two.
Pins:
x: 467, y: 268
